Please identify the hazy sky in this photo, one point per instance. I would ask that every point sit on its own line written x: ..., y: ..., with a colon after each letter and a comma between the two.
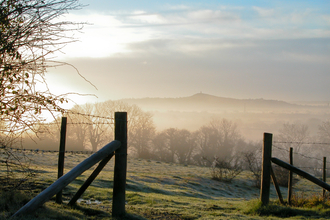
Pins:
x: 239, y: 49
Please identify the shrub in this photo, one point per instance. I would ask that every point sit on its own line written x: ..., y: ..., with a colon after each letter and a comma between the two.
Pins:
x: 253, y: 164
x: 226, y: 169
x: 309, y: 201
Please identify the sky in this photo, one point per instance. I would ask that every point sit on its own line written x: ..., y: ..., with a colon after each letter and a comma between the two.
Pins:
x: 277, y: 50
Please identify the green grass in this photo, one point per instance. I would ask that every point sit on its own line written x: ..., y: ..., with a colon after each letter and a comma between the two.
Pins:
x: 156, y: 190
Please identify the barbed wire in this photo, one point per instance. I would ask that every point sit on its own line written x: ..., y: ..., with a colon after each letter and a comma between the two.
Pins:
x: 86, y: 123
x: 89, y: 115
x: 79, y: 123
x: 297, y: 142
x: 47, y: 151
x: 75, y: 123
x: 300, y: 154
x: 313, y: 168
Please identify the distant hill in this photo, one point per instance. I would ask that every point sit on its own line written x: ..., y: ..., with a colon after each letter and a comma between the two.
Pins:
x: 206, y: 102
x: 254, y: 116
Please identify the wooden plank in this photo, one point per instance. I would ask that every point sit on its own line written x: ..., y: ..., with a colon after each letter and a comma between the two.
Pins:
x: 266, y: 168
x: 58, y: 185
x: 90, y: 179
x: 119, y: 182
x: 301, y: 173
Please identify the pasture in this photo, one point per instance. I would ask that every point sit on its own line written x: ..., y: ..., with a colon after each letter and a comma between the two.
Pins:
x: 155, y: 190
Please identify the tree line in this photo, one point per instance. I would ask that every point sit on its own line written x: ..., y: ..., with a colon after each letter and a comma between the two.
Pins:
x: 220, y: 138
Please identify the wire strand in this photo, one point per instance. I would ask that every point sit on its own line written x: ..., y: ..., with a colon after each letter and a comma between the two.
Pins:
x: 48, y: 151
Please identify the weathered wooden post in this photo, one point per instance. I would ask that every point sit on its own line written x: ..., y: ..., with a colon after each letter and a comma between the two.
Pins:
x: 266, y: 168
x: 290, y: 177
x: 61, y: 156
x: 324, y: 174
x: 119, y: 183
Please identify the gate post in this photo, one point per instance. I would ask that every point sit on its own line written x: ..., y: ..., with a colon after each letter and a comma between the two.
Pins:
x: 119, y: 183
x: 266, y: 168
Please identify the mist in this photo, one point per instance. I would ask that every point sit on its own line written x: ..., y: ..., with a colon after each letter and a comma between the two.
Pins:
x: 253, y: 116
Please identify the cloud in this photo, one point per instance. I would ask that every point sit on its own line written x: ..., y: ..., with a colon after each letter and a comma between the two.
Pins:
x: 116, y: 32
x: 211, y: 15
x: 326, y: 18
x: 272, y: 69
x: 178, y: 7
x: 264, y: 12
x: 144, y: 17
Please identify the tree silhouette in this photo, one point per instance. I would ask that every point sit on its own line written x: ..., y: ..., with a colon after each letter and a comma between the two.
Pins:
x: 30, y: 33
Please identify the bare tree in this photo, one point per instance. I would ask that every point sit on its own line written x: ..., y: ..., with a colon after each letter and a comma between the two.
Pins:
x: 175, y: 145
x: 77, y: 128
x: 159, y: 147
x: 219, y: 138
x: 140, y: 125
x: 30, y: 33
x: 324, y: 131
x: 293, y: 135
x: 253, y: 161
x: 186, y: 146
x: 141, y: 134
x: 90, y: 125
x: 93, y: 125
x: 226, y: 169
x: 296, y: 136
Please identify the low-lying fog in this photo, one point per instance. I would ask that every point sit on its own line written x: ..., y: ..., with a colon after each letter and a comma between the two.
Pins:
x: 253, y: 116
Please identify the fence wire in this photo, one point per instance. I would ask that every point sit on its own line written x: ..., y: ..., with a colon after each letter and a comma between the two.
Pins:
x: 89, y: 115
x: 300, y: 154
x: 317, y: 165
x: 298, y: 142
x: 36, y: 151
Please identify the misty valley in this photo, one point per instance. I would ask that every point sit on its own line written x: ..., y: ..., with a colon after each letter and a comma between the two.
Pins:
x: 202, y: 147
x: 101, y: 115
x: 195, y: 129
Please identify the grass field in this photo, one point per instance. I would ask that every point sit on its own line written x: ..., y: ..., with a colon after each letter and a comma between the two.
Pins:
x: 157, y: 190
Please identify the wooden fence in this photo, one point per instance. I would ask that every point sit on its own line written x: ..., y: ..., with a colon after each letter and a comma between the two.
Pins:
x: 118, y: 147
x: 267, y: 172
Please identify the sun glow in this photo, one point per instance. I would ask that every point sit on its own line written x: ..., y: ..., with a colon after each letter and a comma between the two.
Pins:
x: 102, y: 36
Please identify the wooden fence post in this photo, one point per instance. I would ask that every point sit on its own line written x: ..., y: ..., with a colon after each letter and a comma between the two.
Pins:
x: 266, y: 168
x: 61, y: 157
x: 119, y: 183
x: 324, y: 174
x: 290, y: 177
